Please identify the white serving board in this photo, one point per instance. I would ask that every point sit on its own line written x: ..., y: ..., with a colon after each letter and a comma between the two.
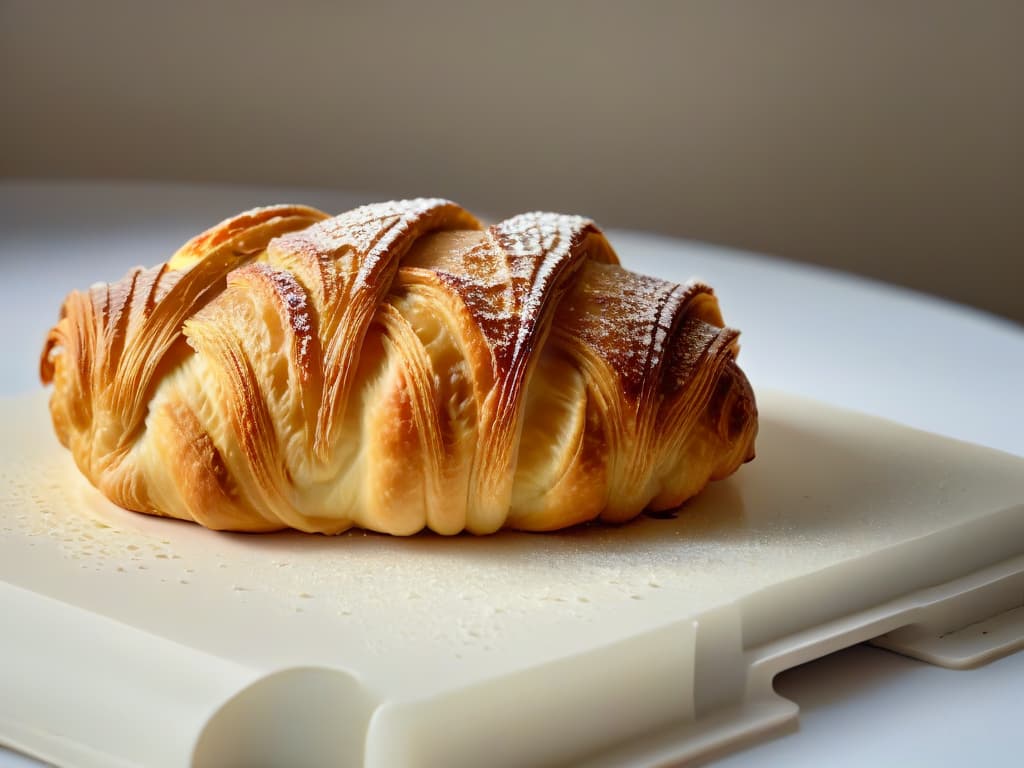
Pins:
x: 135, y: 640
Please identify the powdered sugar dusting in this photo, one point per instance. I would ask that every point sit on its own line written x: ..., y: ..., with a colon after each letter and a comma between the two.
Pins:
x: 296, y: 306
x: 628, y: 320
x: 533, y: 251
x: 362, y: 240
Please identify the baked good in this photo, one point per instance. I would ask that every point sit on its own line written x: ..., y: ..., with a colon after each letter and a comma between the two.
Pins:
x: 397, y: 367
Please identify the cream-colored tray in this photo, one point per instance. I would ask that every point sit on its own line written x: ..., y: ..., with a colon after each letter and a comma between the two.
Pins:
x: 132, y: 640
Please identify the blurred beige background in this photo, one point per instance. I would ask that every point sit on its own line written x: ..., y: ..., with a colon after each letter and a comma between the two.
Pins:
x: 884, y: 138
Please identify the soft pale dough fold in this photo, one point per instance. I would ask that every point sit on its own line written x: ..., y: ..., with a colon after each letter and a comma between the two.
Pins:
x: 397, y: 367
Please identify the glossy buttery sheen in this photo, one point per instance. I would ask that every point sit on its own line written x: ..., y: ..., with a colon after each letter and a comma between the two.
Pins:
x: 397, y: 367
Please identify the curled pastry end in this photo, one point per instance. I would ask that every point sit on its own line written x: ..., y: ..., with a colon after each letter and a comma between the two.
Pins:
x: 733, y: 411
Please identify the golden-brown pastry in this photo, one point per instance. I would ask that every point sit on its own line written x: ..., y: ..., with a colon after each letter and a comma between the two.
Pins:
x: 397, y: 367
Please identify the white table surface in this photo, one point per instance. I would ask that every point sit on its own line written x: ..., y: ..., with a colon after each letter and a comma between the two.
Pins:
x: 840, y: 339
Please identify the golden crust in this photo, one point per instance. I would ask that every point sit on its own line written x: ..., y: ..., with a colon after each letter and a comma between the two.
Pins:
x: 397, y: 367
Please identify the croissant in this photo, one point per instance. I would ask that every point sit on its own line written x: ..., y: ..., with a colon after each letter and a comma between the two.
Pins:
x: 395, y: 368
